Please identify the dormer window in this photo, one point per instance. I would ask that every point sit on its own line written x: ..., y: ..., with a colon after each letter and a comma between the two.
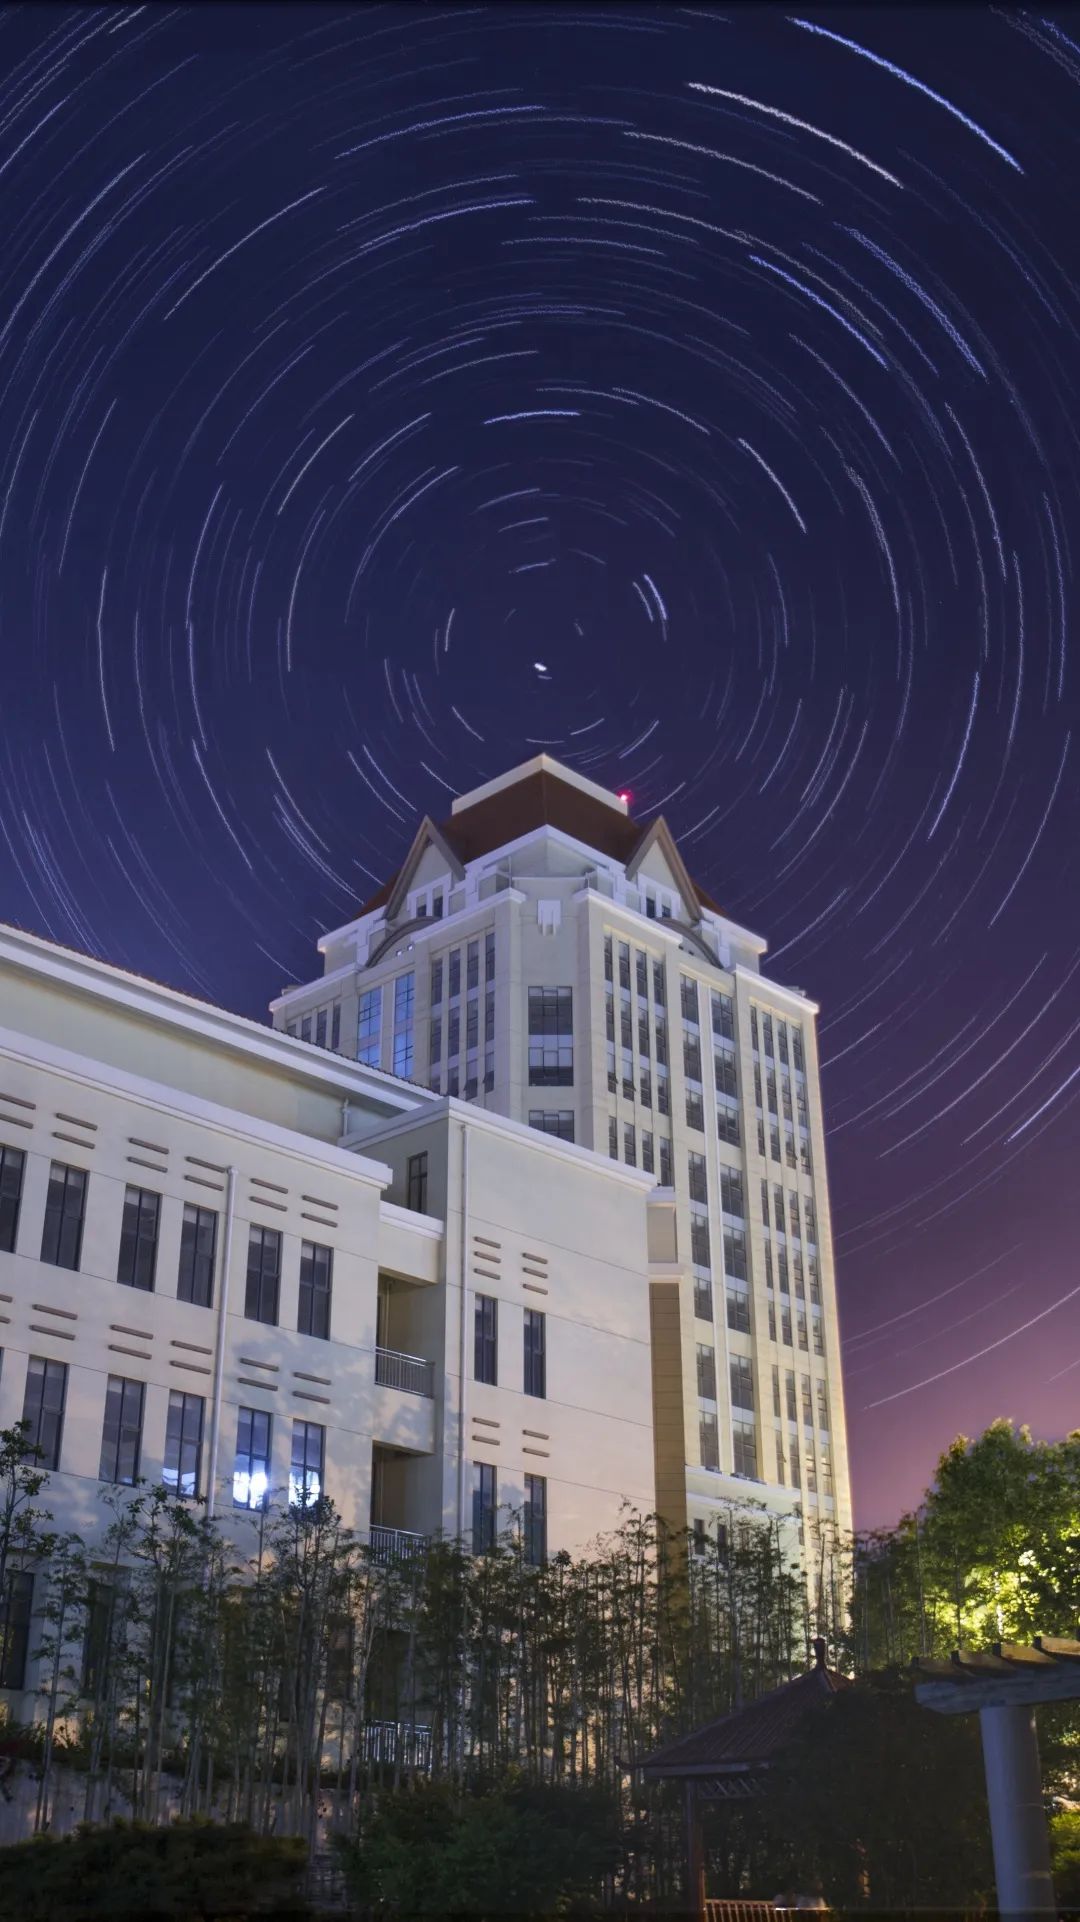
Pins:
x: 660, y: 905
x: 427, y: 904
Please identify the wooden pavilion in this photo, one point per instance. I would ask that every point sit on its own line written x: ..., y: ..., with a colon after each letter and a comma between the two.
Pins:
x: 728, y: 1760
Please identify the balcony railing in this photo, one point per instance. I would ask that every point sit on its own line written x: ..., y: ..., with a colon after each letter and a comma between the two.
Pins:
x: 394, y: 1544
x: 411, y: 1373
x: 396, y: 1742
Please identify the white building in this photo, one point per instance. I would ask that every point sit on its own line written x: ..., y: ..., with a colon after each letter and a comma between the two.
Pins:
x: 255, y: 1270
x: 542, y: 956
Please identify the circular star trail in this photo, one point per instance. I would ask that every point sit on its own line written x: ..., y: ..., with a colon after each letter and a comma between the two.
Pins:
x: 387, y: 395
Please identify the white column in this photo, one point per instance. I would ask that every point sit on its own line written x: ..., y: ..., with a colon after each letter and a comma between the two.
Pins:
x: 1017, y: 1820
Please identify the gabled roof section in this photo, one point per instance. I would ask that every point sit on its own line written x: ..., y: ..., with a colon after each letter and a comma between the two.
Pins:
x: 544, y: 795
x: 427, y: 835
x: 660, y: 837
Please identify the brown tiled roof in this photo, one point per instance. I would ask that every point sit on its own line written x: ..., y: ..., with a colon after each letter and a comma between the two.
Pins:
x: 749, y: 1737
x: 538, y: 800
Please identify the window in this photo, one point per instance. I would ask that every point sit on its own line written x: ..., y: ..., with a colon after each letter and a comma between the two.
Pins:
x: 65, y: 1205
x: 732, y: 1199
x: 665, y: 1162
x: 777, y: 1407
x: 706, y: 1372
x: 551, y: 1037
x: 489, y: 955
x: 308, y: 1458
x: 316, y: 1278
x: 121, y: 1435
x: 659, y: 988
x: 15, y: 1612
x: 263, y: 1275
x: 629, y: 1144
x: 807, y: 1402
x: 723, y: 1017
x: 472, y: 965
x: 641, y: 973
x: 436, y: 982
x: 486, y: 1342
x: 198, y: 1244
x: 535, y: 1353
x: 404, y: 1007
x: 695, y: 1111
x: 724, y: 1073
x: 251, y: 1468
x: 553, y: 1121
x: 691, y: 1049
x: 12, y: 1165
x: 792, y: 1403
x: 699, y: 1186
x: 454, y: 974
x: 699, y: 1535
x: 742, y: 1382
x: 744, y: 1448
x: 700, y: 1251
x: 661, y: 1042
x: 369, y: 1028
x: 823, y: 1406
x: 689, y: 997
x: 624, y: 965
x: 703, y: 1307
x: 182, y: 1468
x: 797, y: 1050
x: 416, y: 1178
x: 609, y: 974
x: 727, y: 1125
x: 138, y: 1238
x: 320, y: 1028
x: 335, y: 1026
x: 43, y: 1408
x: 483, y: 1507
x: 613, y: 1137
x: 710, y: 1439
x: 535, y: 1519
x: 647, y: 1161
x: 738, y: 1310
x: 735, y: 1252
x: 819, y: 1335
x: 101, y: 1600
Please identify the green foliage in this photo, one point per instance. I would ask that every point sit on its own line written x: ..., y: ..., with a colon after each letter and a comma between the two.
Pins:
x: 526, y: 1849
x: 990, y: 1556
x: 1065, y: 1857
x: 883, y: 1805
x: 185, y: 1872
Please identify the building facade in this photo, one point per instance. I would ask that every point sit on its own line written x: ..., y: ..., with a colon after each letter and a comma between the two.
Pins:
x: 258, y: 1271
x: 542, y: 956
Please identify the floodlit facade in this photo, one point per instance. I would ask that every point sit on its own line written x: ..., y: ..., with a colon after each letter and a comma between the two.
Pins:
x: 259, y: 1271
x: 542, y: 956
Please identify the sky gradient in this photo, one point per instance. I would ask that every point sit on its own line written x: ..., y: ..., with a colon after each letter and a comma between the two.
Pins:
x: 387, y: 395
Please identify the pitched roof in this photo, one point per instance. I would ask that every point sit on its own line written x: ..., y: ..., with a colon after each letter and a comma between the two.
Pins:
x: 538, y: 800
x: 749, y: 1737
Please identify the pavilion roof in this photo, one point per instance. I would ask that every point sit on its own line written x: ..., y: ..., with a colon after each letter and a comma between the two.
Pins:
x: 749, y: 1737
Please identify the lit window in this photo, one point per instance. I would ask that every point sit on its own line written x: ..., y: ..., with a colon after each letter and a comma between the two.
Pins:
x: 251, y: 1469
x: 306, y: 1469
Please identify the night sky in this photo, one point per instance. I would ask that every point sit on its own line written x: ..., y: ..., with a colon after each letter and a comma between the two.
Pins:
x: 387, y: 395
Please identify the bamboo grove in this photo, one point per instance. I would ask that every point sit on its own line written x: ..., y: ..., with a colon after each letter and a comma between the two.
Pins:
x: 272, y: 1672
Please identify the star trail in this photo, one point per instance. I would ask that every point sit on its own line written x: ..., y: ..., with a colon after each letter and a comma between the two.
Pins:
x: 388, y: 393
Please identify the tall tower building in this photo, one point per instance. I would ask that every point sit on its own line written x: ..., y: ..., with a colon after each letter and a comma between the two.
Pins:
x: 545, y: 956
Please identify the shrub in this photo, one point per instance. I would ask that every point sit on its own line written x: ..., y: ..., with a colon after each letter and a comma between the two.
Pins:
x: 182, y: 1873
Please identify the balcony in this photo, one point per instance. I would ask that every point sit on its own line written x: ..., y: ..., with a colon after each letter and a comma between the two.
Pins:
x: 395, y: 1545
x: 410, y: 1373
x: 396, y: 1743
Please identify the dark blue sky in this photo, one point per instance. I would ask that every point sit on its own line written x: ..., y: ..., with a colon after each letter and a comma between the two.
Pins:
x: 722, y: 361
